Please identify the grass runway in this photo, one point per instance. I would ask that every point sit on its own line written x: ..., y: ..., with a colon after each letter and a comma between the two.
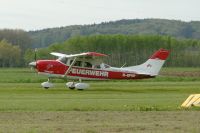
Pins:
x: 124, y: 106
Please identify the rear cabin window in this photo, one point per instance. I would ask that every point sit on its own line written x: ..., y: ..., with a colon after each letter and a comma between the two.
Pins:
x: 106, y: 66
x: 97, y: 66
x: 102, y: 66
x: 87, y: 64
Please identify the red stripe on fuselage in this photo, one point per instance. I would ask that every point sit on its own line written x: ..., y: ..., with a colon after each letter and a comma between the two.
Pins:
x: 56, y: 67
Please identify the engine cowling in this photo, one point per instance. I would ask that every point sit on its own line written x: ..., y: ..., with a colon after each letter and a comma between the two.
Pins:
x: 47, y: 85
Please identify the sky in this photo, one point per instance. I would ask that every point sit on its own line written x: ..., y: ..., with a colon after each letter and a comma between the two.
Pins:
x: 40, y: 14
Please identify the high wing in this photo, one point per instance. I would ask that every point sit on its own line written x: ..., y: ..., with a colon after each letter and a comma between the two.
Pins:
x: 86, y: 55
x: 58, y: 54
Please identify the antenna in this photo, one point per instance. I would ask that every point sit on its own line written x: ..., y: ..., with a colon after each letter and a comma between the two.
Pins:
x: 123, y: 65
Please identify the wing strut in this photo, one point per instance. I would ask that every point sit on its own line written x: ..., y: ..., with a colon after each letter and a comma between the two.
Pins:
x: 68, y: 70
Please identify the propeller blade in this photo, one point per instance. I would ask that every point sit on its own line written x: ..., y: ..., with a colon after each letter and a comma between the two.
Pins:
x: 35, y: 56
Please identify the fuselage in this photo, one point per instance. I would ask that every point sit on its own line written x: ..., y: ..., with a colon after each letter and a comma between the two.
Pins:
x: 55, y: 68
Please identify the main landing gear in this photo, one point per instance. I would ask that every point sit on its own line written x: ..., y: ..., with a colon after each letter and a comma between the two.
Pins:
x: 78, y: 86
x: 70, y: 85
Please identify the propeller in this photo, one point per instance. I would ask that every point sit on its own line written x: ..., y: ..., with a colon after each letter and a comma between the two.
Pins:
x: 35, y: 54
x: 33, y: 63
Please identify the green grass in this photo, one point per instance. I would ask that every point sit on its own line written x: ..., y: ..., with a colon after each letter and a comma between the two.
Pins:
x: 20, y: 90
x: 26, y: 75
x: 19, y: 75
x: 151, y: 105
x: 101, y: 96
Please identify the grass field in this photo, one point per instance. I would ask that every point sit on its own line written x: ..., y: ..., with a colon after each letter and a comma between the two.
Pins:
x: 113, y: 106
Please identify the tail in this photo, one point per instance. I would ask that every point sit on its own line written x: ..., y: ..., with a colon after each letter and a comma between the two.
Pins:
x: 153, y: 65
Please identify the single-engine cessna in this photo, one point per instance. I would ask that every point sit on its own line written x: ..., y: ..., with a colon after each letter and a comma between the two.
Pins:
x: 89, y: 66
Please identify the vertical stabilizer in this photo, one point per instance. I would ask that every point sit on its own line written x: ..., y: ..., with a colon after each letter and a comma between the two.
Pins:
x: 153, y: 65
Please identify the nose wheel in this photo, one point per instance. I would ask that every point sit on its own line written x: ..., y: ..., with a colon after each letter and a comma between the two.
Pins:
x: 47, y: 84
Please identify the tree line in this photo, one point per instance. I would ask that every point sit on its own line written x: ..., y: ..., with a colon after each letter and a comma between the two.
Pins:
x: 13, y: 44
x: 178, y: 29
x: 16, y: 48
x: 129, y: 49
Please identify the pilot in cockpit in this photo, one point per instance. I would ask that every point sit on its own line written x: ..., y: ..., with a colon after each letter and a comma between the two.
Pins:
x: 102, y: 66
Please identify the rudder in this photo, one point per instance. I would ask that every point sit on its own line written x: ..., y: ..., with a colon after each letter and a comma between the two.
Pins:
x: 153, y: 65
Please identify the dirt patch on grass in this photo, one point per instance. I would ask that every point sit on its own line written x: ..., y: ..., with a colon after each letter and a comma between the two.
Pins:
x: 181, y: 73
x: 100, y: 121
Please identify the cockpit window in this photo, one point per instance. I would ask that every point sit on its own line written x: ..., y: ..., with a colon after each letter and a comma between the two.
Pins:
x: 87, y: 64
x: 77, y: 63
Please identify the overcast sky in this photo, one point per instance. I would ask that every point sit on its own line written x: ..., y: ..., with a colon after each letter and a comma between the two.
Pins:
x: 39, y: 14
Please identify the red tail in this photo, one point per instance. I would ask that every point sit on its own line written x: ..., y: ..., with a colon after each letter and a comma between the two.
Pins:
x: 161, y: 54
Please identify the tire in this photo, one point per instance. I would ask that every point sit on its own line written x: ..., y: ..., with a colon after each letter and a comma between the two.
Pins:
x: 80, y: 89
x: 71, y: 88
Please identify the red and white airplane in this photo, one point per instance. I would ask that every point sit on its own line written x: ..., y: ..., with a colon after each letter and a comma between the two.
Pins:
x: 89, y: 66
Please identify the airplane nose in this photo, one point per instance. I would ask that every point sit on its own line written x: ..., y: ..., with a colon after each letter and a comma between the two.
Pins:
x: 32, y: 64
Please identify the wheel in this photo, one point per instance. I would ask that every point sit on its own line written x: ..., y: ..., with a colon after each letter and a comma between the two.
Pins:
x: 70, y: 85
x: 81, y: 86
x: 71, y: 88
x: 80, y: 89
x: 47, y: 85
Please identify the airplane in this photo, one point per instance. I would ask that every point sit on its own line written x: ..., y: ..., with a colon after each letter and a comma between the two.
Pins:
x: 90, y: 66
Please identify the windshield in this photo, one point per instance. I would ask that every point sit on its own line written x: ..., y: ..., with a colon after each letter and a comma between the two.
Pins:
x: 63, y: 60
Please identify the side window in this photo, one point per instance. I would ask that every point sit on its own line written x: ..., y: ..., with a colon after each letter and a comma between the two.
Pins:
x: 87, y: 64
x: 97, y: 66
x: 77, y: 63
x: 70, y: 62
x: 107, y: 66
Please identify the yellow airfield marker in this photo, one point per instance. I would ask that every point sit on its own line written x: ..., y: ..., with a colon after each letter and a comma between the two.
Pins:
x: 197, y: 102
x: 192, y: 100
x: 184, y: 104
